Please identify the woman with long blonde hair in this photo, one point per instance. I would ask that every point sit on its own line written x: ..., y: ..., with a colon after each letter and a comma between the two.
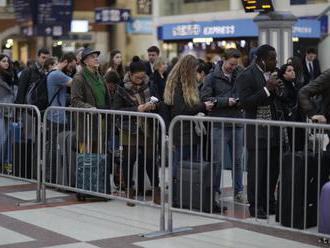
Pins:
x: 181, y: 94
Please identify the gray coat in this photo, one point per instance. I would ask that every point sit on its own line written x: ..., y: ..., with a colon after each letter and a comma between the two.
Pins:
x: 319, y: 87
x: 220, y: 87
x: 7, y: 93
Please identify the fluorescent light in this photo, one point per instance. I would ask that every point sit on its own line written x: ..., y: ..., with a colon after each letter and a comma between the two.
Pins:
x: 202, y: 40
x: 79, y: 26
x: 295, y: 39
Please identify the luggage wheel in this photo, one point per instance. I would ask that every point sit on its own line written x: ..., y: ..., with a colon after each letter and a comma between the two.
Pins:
x: 324, y: 241
x: 81, y: 197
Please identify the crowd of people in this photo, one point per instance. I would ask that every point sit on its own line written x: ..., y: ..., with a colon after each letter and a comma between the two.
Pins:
x: 190, y: 86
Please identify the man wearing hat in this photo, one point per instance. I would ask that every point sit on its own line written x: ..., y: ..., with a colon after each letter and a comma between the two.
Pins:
x: 89, y: 91
x: 88, y: 87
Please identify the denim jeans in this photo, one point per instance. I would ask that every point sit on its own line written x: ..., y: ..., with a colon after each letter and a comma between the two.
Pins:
x: 237, y: 173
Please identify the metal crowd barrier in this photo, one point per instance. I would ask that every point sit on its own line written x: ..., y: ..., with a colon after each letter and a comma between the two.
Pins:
x: 105, y: 153
x: 288, y: 166
x: 20, y: 138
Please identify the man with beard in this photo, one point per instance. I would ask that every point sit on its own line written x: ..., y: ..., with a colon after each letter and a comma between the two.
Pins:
x: 57, y: 83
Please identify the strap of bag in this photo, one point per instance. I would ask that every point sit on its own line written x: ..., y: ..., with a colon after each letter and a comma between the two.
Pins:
x: 57, y: 92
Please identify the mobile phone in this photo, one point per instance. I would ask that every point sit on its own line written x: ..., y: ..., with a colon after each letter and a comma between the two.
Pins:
x: 154, y: 100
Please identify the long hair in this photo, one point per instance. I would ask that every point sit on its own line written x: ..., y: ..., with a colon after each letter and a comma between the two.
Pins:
x: 8, y: 75
x: 297, y: 64
x: 183, y: 75
x: 119, y: 69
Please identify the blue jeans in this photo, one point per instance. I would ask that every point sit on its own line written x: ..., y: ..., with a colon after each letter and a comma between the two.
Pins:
x: 228, y: 149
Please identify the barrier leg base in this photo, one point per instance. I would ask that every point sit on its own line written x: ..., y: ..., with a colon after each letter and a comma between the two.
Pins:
x: 164, y: 233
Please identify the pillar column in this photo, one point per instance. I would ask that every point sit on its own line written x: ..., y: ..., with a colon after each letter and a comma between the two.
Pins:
x: 235, y: 5
x: 275, y: 29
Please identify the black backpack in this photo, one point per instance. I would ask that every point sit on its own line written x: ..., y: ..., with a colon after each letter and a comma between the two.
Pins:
x: 37, y: 93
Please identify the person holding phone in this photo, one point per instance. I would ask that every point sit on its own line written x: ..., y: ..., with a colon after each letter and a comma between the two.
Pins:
x: 257, y: 91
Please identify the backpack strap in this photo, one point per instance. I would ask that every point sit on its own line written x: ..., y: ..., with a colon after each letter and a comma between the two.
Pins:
x: 57, y: 92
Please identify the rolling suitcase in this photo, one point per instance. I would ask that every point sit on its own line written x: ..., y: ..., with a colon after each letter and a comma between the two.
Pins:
x: 93, y: 170
x: 324, y: 220
x: 22, y: 152
x: 196, y: 194
x: 299, y: 191
x: 66, y: 156
x: 301, y: 201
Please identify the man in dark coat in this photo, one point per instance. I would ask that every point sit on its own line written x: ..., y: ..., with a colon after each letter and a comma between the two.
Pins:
x: 311, y: 66
x: 257, y: 91
x: 219, y: 84
x: 153, y: 54
x: 31, y: 75
x: 319, y: 87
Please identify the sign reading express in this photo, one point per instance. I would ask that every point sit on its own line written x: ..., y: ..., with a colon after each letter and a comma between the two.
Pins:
x: 230, y: 29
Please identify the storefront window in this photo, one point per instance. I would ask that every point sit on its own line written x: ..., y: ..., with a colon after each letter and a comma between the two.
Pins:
x: 296, y: 2
x: 182, y: 7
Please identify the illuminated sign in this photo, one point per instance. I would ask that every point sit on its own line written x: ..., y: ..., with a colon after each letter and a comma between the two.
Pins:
x: 303, y: 28
x: 257, y: 5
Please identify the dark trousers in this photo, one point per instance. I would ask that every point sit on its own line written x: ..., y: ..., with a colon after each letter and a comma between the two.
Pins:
x: 257, y: 177
x: 145, y: 159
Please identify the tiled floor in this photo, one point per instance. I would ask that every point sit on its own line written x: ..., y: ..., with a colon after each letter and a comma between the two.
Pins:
x: 31, y: 195
x: 10, y: 182
x: 227, y: 238
x: 8, y: 237
x: 98, y: 224
x: 76, y: 245
x: 88, y: 222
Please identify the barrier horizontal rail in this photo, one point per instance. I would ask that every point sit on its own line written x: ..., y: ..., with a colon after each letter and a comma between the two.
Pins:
x: 287, y: 167
x: 20, y: 143
x: 105, y: 153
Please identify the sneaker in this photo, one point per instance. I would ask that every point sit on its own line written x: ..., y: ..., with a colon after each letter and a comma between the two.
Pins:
x: 217, y: 208
x: 157, y: 196
x: 130, y: 195
x: 240, y: 198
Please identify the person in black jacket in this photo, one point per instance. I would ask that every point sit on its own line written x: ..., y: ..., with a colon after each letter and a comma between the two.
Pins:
x: 311, y: 65
x: 153, y: 54
x: 158, y: 78
x: 220, y: 85
x: 318, y: 87
x: 257, y: 91
x: 182, y: 96
x: 138, y: 136
x: 31, y: 74
x: 289, y: 105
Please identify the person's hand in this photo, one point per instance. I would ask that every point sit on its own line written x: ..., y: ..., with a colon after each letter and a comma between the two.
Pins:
x: 150, y: 106
x: 272, y: 84
x: 146, y: 107
x: 209, y: 105
x: 319, y: 119
x: 231, y: 101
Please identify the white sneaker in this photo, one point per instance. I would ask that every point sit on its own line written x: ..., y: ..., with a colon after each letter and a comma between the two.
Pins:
x: 240, y: 198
